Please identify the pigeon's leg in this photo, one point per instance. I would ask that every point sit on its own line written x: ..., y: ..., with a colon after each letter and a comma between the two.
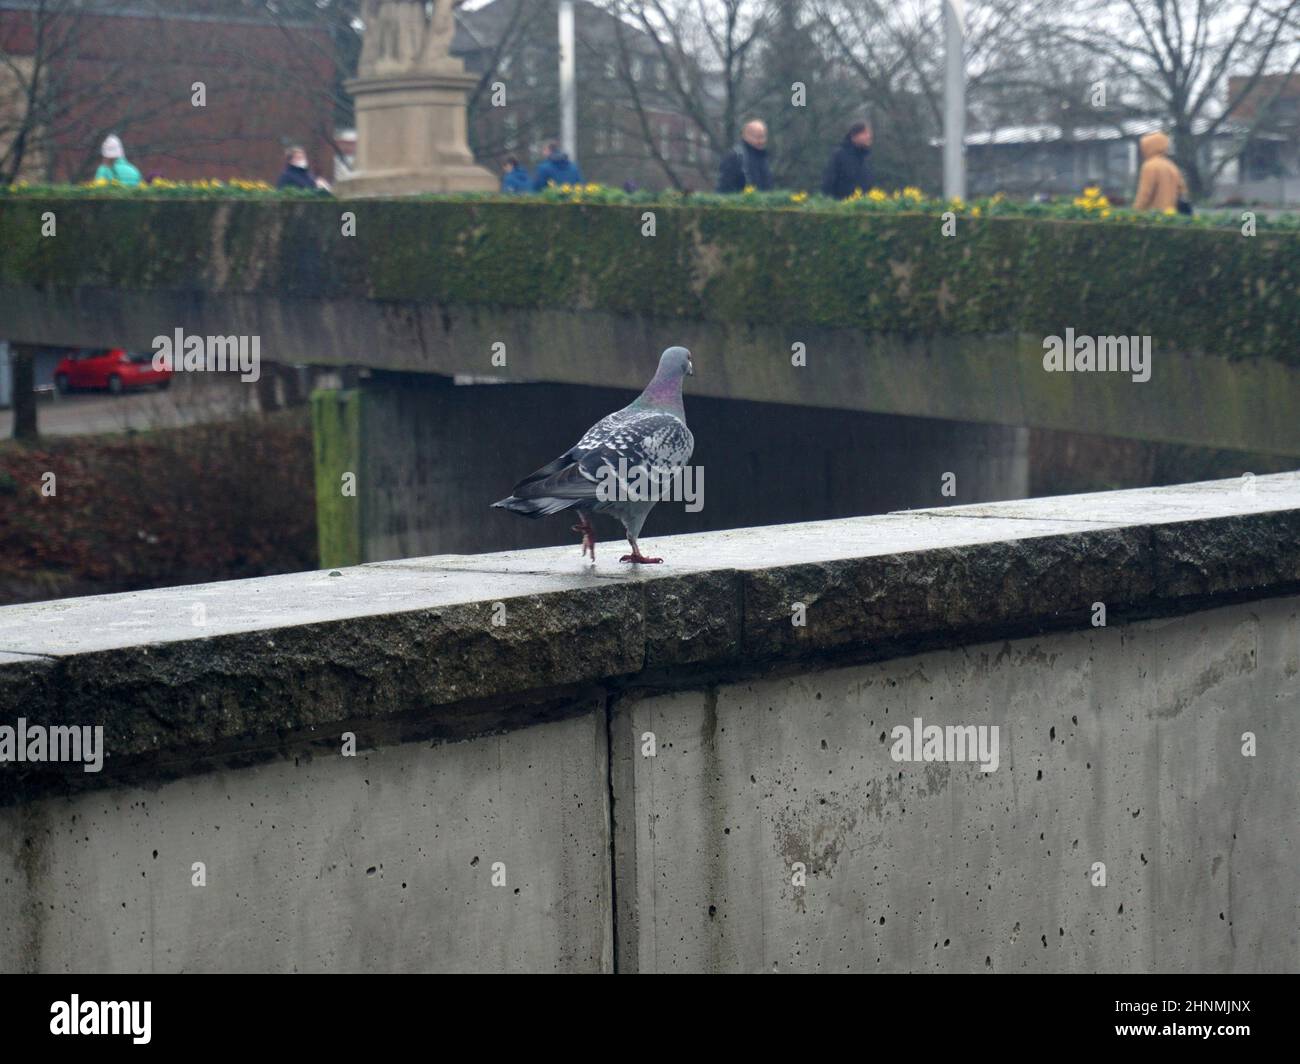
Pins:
x: 637, y: 557
x: 588, y: 531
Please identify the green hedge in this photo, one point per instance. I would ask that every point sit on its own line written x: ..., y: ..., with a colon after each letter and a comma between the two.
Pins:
x: 885, y: 268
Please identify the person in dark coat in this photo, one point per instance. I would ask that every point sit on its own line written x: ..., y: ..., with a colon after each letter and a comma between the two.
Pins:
x: 556, y: 168
x: 850, y: 167
x: 747, y: 164
x: 297, y: 173
x: 515, y: 178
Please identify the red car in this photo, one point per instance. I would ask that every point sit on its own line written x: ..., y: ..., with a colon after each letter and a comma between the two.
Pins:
x: 113, y: 368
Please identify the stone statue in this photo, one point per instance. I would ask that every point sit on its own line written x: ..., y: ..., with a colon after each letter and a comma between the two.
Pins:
x: 409, y: 98
x: 406, y: 36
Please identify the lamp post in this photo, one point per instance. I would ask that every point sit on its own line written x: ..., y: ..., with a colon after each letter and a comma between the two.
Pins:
x: 568, y: 92
x: 954, y: 100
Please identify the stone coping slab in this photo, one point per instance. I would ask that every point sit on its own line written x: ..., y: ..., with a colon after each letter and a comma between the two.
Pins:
x: 178, y: 671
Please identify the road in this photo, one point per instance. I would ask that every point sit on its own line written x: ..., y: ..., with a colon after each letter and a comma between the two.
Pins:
x: 191, y: 399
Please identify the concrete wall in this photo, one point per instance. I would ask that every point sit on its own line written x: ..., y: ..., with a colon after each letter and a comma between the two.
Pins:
x: 504, y: 703
x: 1117, y: 745
x: 381, y: 862
x: 42, y: 371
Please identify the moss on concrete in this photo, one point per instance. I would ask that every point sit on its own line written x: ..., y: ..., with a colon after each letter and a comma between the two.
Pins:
x: 1193, y: 290
x: 336, y: 423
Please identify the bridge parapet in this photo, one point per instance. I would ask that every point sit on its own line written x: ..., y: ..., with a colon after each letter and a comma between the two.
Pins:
x: 174, y: 669
x: 1052, y: 735
x: 689, y: 733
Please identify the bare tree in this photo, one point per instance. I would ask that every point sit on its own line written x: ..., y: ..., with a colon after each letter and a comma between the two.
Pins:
x: 29, y: 103
x: 893, y: 49
x: 709, y: 49
x: 809, y: 95
x: 1180, y: 54
x: 22, y: 362
x: 64, y: 85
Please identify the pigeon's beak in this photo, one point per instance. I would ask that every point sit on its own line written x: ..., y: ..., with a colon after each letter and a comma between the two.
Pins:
x: 690, y: 368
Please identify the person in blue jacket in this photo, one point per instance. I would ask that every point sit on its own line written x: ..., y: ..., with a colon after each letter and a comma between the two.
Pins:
x: 556, y: 167
x: 515, y: 177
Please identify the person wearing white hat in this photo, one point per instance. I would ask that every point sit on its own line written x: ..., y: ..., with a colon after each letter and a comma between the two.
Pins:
x: 115, y: 168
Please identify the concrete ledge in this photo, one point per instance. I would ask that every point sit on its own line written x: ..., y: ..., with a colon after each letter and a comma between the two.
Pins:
x: 176, y: 675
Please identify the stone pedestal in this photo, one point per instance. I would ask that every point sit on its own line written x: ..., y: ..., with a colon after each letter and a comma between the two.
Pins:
x: 411, y: 135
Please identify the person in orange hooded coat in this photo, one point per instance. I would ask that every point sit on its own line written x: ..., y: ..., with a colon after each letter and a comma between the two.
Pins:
x: 1160, y: 182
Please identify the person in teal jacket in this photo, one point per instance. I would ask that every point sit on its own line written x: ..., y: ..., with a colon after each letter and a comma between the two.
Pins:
x: 115, y: 167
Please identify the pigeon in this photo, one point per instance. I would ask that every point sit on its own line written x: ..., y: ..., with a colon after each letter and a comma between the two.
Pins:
x: 648, y: 438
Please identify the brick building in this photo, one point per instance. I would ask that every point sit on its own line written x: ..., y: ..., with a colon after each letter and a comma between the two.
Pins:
x: 215, y: 91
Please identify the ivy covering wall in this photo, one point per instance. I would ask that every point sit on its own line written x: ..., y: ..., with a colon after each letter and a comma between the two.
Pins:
x: 1191, y: 288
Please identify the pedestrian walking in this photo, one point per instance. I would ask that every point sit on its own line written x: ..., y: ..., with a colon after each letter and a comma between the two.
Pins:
x: 114, y: 166
x: 297, y: 172
x: 1161, y: 185
x: 514, y: 178
x: 849, y: 169
x: 556, y: 169
x: 747, y: 164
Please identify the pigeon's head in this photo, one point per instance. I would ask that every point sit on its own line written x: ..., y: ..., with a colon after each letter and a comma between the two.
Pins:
x: 665, y: 390
x: 676, y: 363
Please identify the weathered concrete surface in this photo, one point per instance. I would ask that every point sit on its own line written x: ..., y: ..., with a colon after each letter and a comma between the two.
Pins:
x: 378, y: 863
x: 538, y: 680
x: 1200, y: 399
x: 1117, y: 745
x: 428, y: 458
x: 277, y: 656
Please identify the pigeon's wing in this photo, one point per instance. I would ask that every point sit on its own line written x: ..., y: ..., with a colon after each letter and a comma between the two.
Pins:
x: 659, y: 440
x: 651, y: 439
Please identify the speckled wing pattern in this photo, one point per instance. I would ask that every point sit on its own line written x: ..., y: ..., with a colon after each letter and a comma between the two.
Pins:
x: 654, y: 439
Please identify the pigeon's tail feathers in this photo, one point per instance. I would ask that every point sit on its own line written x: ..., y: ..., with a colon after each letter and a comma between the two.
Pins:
x: 539, y: 507
x: 550, y: 469
x: 567, y: 482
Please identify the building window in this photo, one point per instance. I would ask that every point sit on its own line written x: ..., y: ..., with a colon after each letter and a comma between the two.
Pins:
x: 611, y: 68
x: 661, y: 74
x: 665, y: 139
x: 636, y: 68
x: 511, y: 123
x: 692, y: 149
x: 616, y: 139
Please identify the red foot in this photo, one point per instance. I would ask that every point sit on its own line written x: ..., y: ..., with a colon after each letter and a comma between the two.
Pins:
x: 588, y: 538
x: 639, y: 559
